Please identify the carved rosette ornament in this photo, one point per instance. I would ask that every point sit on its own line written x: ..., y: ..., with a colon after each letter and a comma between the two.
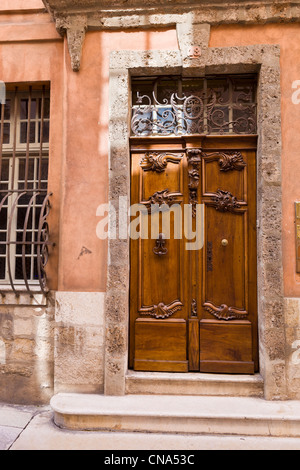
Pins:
x: 224, y: 312
x: 158, y: 161
x: 224, y: 201
x: 194, y: 161
x: 162, y: 311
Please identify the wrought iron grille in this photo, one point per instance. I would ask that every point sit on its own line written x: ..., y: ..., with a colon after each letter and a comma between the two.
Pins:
x: 183, y: 106
x: 24, y: 198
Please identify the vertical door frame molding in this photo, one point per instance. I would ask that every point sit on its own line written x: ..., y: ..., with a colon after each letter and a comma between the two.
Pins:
x: 261, y: 59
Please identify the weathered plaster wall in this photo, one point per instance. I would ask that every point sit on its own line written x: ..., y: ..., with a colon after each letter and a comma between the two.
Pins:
x: 10, y: 5
x: 83, y: 257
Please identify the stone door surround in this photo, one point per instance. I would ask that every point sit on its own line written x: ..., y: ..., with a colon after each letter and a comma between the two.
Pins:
x: 261, y: 59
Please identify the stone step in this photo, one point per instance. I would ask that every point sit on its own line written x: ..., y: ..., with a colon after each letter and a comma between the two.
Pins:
x: 152, y: 383
x: 177, y: 414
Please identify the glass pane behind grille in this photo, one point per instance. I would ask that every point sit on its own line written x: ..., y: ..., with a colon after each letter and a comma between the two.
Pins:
x: 2, y: 267
x: 179, y: 106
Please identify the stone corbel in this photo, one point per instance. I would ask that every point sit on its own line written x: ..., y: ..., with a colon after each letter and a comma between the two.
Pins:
x: 193, y: 40
x: 74, y: 27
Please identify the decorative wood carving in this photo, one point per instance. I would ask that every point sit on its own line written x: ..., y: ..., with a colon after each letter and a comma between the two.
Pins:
x: 231, y: 161
x: 224, y: 312
x: 194, y: 161
x: 160, y: 246
x: 228, y: 161
x: 163, y: 197
x: 161, y: 310
x: 224, y: 201
x: 194, y: 309
x: 209, y: 257
x: 155, y: 161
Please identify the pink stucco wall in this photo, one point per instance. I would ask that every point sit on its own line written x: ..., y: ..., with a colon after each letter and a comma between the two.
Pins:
x: 10, y: 5
x: 79, y: 127
x: 85, y: 171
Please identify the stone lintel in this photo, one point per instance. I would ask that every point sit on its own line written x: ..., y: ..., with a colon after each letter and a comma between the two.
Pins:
x: 102, y: 14
x: 212, y: 11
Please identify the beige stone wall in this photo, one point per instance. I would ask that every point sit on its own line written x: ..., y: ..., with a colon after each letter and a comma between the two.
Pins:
x: 26, y: 349
x: 50, y: 345
x: 78, y: 342
x: 292, y: 329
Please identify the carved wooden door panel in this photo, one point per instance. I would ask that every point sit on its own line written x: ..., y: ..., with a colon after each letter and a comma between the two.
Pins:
x: 158, y: 264
x: 194, y: 310
x: 228, y: 301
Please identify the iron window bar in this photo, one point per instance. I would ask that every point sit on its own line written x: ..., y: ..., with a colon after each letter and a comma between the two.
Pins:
x: 24, y: 197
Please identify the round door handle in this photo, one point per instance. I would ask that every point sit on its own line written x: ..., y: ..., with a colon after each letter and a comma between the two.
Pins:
x: 224, y: 242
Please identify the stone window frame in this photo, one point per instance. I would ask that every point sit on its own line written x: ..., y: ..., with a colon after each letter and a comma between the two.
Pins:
x: 265, y: 61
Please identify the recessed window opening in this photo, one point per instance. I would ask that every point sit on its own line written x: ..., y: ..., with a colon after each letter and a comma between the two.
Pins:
x: 24, y: 198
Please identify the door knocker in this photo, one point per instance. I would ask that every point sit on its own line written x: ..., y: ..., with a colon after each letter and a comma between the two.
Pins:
x: 160, y: 246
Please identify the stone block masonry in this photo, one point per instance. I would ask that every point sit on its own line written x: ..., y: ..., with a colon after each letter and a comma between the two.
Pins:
x: 26, y: 349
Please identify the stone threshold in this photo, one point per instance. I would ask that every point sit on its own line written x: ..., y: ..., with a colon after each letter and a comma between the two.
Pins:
x: 177, y: 414
x: 198, y: 384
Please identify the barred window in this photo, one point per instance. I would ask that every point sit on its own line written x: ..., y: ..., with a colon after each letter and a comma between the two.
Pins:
x: 24, y: 198
x: 183, y: 106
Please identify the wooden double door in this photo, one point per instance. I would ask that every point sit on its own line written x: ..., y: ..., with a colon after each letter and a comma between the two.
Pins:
x: 193, y: 289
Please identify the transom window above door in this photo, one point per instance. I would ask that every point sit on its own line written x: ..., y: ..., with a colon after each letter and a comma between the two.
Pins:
x: 174, y: 106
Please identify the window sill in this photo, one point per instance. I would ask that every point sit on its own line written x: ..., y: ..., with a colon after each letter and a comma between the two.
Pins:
x: 22, y: 297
